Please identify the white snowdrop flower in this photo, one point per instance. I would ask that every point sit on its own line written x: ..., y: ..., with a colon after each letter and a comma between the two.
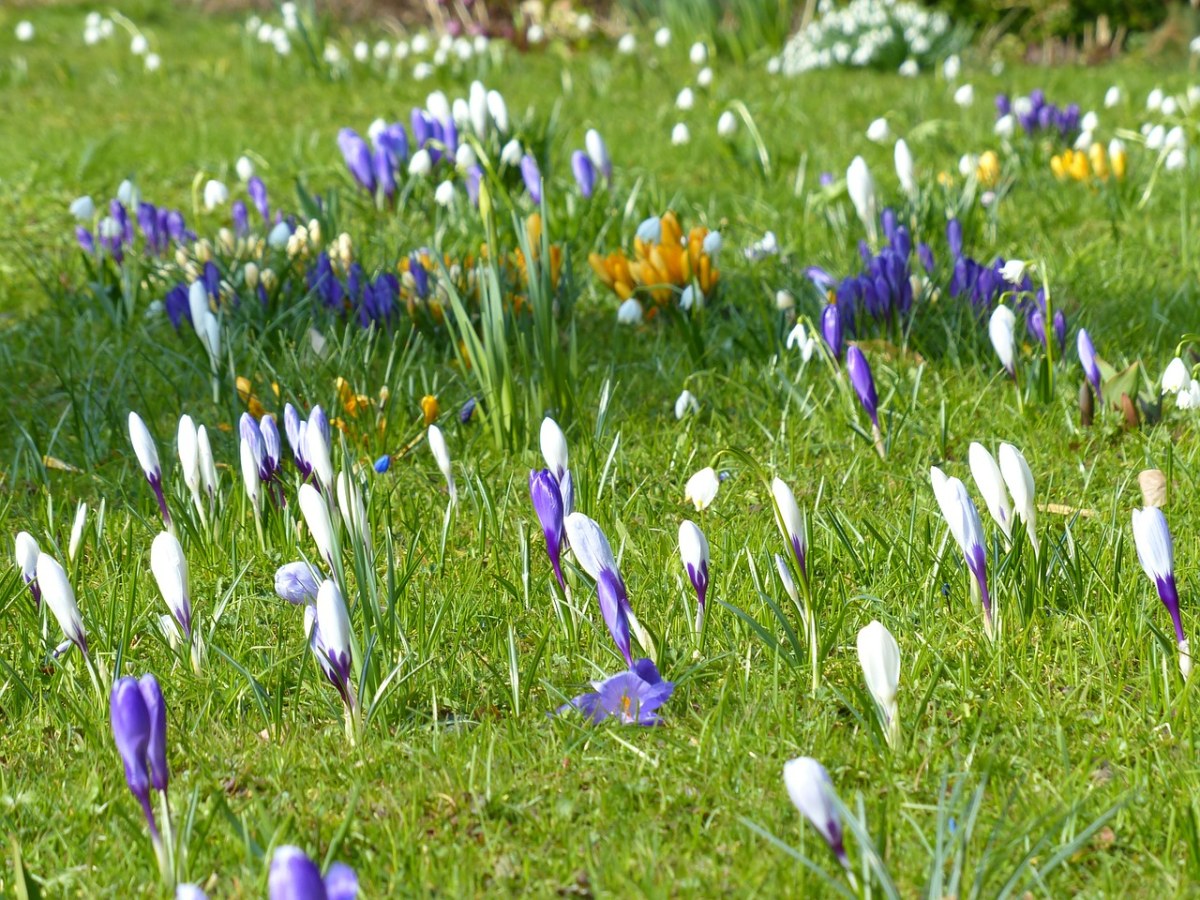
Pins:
x: 481, y: 44
x: 420, y: 43
x: 686, y: 403
x: 662, y: 37
x: 215, y: 194
x: 698, y: 54
x: 1175, y: 139
x: 680, y: 134
x: 24, y: 31
x: 401, y: 50
x: 444, y: 195
x: 138, y: 46
x: 968, y: 163
x: 153, y: 62
x: 361, y: 51
x: 799, y: 337
x: 965, y: 95
x: 382, y: 50
x: 629, y: 312
x: 701, y: 489
x: 909, y: 69
x: 1176, y: 160
x: 951, y: 67
x: 1176, y: 377
x: 127, y: 193
x: 511, y: 153
x: 686, y: 99
x: 878, y: 131
x: 627, y: 44
x: 1170, y: 106
x: 1005, y: 126
x: 687, y: 298
x: 1013, y: 271
x: 83, y: 209
x: 106, y: 28
x: 1154, y: 100
x: 784, y: 301
x: 727, y: 124
x: 422, y: 71
x: 704, y: 77
x: 1189, y: 398
x: 1112, y: 97
x: 536, y: 34
x: 244, y: 168
x: 1157, y: 138
x: 1090, y: 121
x: 421, y: 163
x: 498, y: 110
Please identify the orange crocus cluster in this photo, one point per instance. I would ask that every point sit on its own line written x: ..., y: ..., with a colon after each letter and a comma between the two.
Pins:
x: 662, y: 268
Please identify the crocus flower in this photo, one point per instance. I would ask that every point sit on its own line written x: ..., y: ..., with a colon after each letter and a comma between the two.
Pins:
x: 785, y: 578
x: 632, y: 698
x: 1087, y: 359
x: 297, y: 582
x: 131, y: 726
x: 316, y: 448
x: 208, y: 468
x: 334, y: 624
x: 584, y: 172
x: 1019, y: 480
x: 810, y: 789
x: 532, y: 177
x: 861, y: 187
x: 60, y: 598
x: 1156, y: 552
x: 156, y: 749
x: 353, y: 509
x: 831, y: 330
x: 189, y: 892
x: 293, y: 876
x: 357, y: 155
x: 597, y: 151
x: 879, y: 656
x: 147, y: 455
x: 272, y: 446
x: 170, y: 569
x: 686, y: 403
x: 27, y: 552
x: 595, y: 556
x: 693, y: 550
x: 863, y: 383
x: 441, y: 455
x: 553, y: 444
x: 991, y: 485
x: 189, y: 456
x: 790, y: 520
x: 316, y: 516
x: 258, y: 195
x: 963, y: 518
x: 904, y: 168
x: 547, y: 503
x: 1002, y: 333
x: 252, y: 435
x: 701, y: 488
x: 250, y: 474
x: 77, y: 527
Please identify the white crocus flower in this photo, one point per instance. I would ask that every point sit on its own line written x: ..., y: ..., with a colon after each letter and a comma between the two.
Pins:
x: 441, y: 455
x: 316, y: 515
x: 701, y: 488
x: 1019, y: 480
x: 861, y: 187
x: 1002, y: 333
x: 990, y: 482
x: 905, y: 168
x: 879, y: 656
x: 60, y: 599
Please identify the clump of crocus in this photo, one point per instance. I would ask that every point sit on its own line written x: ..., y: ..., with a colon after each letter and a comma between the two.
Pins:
x: 664, y: 263
x: 147, y: 455
x: 693, y: 550
x: 963, y: 519
x: 864, y: 386
x: 811, y: 791
x: 1156, y: 552
x: 879, y: 656
x: 547, y: 504
x: 139, y: 725
x: 1095, y: 164
x: 293, y: 876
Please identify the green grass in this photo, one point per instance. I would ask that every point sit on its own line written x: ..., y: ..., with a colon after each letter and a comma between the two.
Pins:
x: 461, y: 784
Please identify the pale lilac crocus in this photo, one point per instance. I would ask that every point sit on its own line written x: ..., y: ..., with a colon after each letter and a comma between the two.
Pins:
x: 595, y: 556
x: 1087, y: 359
x: 1156, y: 552
x: 631, y: 698
x: 790, y: 520
x: 532, y: 177
x: 811, y: 791
x: 60, y: 600
x: 584, y: 172
x: 547, y: 503
x: 297, y: 582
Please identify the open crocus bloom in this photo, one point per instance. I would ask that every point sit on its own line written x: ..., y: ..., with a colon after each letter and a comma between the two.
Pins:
x: 632, y: 698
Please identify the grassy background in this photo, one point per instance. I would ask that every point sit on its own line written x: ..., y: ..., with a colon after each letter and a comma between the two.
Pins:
x: 462, y: 785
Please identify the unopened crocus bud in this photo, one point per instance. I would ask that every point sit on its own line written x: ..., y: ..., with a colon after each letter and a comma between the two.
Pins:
x: 27, y: 552
x: 693, y: 550
x: 60, y: 599
x: 208, y: 467
x: 861, y: 187
x: 1002, y: 333
x: 146, y: 452
x: 77, y: 527
x: 990, y: 482
x: 553, y: 444
x: 904, y: 168
x: 441, y: 455
x: 831, y: 330
x: 595, y: 556
x: 790, y: 520
x: 963, y: 520
x: 1087, y: 359
x: 334, y: 623
x: 584, y: 172
x: 1019, y: 479
x: 546, y: 495
x: 532, y: 177
x: 1156, y: 553
x: 156, y: 748
x: 169, y: 566
x: 785, y: 578
x: 863, y: 383
x: 879, y: 656
x: 131, y: 727
x: 812, y: 793
x: 250, y: 477
x: 316, y: 516
x: 297, y: 582
x: 189, y: 455
x: 597, y: 152
x: 316, y: 448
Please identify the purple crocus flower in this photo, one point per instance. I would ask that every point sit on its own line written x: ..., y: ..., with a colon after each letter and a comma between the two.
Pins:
x: 357, y: 156
x: 862, y: 382
x: 1003, y: 105
x: 422, y: 128
x: 954, y: 238
x: 176, y: 305
x: 474, y: 177
x: 385, y: 176
x: 585, y: 173
x: 1060, y: 329
x: 595, y: 556
x: 822, y: 279
x: 258, y: 195
x: 156, y: 749
x: 294, y: 876
x: 632, y: 698
x: 831, y: 329
x: 252, y: 435
x: 131, y: 726
x: 395, y: 140
x: 925, y: 254
x: 468, y: 411
x: 85, y: 239
x: 532, y: 177
x: 297, y: 582
x: 547, y: 503
x: 271, y: 443
x: 1087, y: 359
x: 241, y: 218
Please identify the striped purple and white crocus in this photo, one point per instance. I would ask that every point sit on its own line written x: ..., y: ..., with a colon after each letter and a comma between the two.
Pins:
x: 595, y: 556
x: 147, y: 455
x: 963, y: 518
x: 1156, y: 552
x: 693, y: 550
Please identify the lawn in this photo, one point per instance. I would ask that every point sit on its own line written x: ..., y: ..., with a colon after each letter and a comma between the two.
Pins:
x: 1058, y: 757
